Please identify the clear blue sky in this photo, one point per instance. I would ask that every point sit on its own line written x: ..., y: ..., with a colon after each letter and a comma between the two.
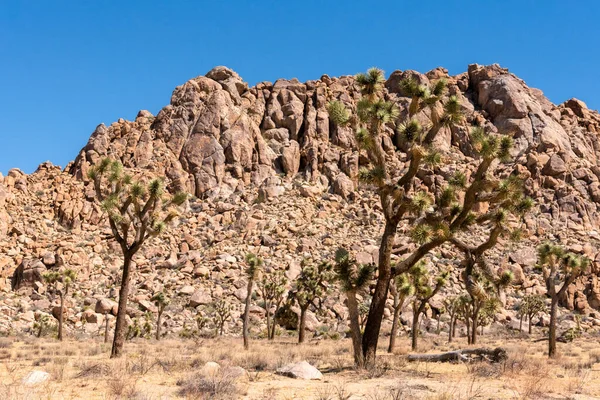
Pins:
x: 67, y: 66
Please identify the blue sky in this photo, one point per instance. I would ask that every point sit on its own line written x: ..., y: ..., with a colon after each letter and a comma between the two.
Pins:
x: 67, y: 66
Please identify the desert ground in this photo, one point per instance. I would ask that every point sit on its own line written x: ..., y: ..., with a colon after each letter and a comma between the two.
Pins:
x: 176, y: 368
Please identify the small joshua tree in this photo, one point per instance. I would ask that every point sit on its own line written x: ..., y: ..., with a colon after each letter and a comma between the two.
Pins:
x: 54, y: 280
x: 136, y: 212
x: 401, y: 289
x: 161, y: 302
x: 488, y: 312
x: 562, y: 267
x: 221, y: 314
x: 452, y: 307
x: 252, y: 272
x: 424, y: 289
x: 353, y: 279
x: 42, y: 324
x: 309, y: 288
x: 530, y: 307
x: 272, y: 288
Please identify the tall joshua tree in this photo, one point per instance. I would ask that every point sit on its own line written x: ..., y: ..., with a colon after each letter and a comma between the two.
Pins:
x: 310, y: 286
x: 252, y: 271
x: 161, y: 301
x: 401, y: 290
x: 562, y: 267
x: 136, y: 212
x: 419, y: 277
x: 435, y: 213
x: 272, y: 289
x: 54, y: 280
x: 353, y: 279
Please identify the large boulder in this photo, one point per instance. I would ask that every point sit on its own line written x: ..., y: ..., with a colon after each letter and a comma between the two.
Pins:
x: 300, y: 370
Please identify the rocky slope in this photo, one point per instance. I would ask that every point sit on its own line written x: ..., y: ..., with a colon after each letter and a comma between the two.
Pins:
x: 271, y: 174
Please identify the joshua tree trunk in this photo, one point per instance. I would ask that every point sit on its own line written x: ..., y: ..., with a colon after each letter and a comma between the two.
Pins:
x: 373, y: 326
x: 395, y: 322
x: 247, y: 314
x: 454, y: 327
x: 521, y: 324
x: 529, y: 328
x: 302, y: 324
x: 552, y: 335
x: 106, y: 327
x: 268, y: 307
x: 438, y: 324
x: 414, y: 333
x: 119, y: 338
x: 476, y: 308
x: 450, y: 328
x: 60, y: 317
x: 355, y: 328
x: 160, y: 311
x: 481, y: 333
x: 468, y: 323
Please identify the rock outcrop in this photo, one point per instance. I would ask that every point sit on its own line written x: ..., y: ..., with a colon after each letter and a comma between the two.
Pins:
x: 271, y: 174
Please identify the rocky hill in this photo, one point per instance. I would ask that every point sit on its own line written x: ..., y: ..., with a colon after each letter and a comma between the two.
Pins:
x: 271, y: 174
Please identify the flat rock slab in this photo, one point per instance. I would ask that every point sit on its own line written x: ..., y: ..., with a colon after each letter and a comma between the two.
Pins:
x: 300, y: 370
x: 35, y: 377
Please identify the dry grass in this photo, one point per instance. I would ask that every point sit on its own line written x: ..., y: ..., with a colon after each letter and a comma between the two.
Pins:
x: 174, y: 369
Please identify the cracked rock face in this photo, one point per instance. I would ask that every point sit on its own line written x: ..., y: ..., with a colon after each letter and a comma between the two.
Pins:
x: 271, y: 174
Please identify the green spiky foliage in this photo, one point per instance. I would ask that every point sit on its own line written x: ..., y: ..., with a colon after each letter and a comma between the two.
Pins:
x: 435, y: 214
x: 254, y: 266
x: 559, y: 268
x: 59, y: 282
x: 353, y: 279
x: 309, y: 288
x: 272, y: 287
x: 530, y: 307
x: 161, y: 301
x: 136, y: 212
x: 491, y: 306
x: 338, y: 113
x: 425, y: 285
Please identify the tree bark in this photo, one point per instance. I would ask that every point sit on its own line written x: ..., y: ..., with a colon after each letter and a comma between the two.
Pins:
x: 450, y: 328
x: 552, y: 335
x: 106, y: 327
x: 529, y: 328
x: 158, y: 323
x: 119, y: 337
x: 355, y: 328
x: 302, y: 324
x: 268, y: 309
x: 521, y: 324
x: 61, y: 316
x: 395, y: 322
x: 493, y: 355
x: 247, y: 315
x: 373, y: 325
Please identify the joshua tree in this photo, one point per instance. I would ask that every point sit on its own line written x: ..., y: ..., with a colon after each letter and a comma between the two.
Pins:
x: 401, y: 290
x: 353, y: 278
x: 54, y: 280
x: 41, y: 324
x: 272, y: 289
x: 530, y: 307
x: 419, y: 278
x: 309, y: 287
x: 488, y: 312
x: 452, y: 307
x: 161, y: 302
x: 558, y: 266
x: 136, y: 212
x: 435, y: 213
x: 222, y: 313
x: 106, y: 326
x: 254, y: 266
